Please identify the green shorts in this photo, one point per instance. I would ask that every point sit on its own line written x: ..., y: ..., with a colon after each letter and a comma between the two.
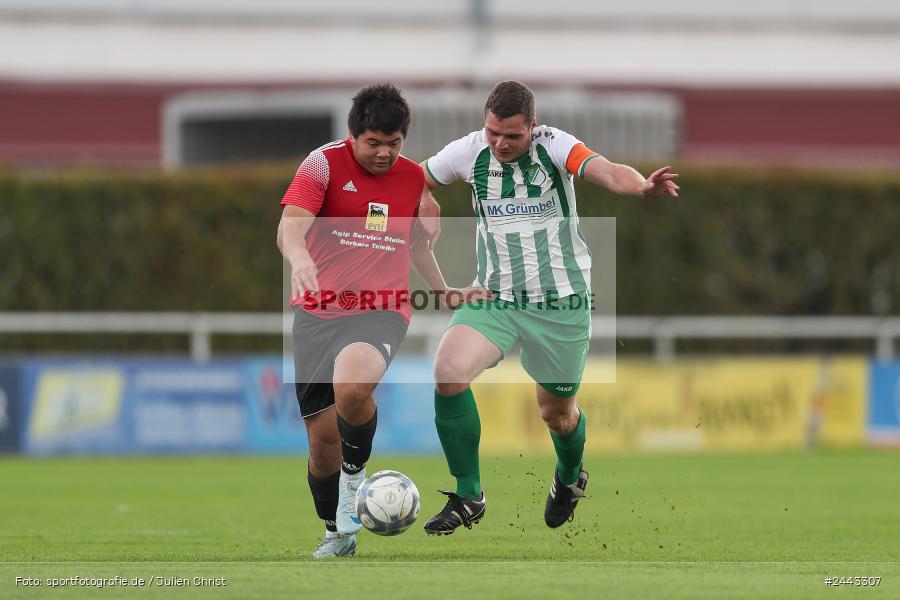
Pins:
x: 554, y: 336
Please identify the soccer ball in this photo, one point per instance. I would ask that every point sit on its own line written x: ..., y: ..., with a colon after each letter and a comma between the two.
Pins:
x: 387, y: 503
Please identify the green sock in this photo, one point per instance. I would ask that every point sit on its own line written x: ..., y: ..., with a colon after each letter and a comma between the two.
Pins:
x: 570, y: 451
x: 459, y: 429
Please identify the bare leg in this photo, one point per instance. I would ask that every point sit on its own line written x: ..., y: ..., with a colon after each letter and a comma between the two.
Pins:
x: 462, y: 355
x: 560, y: 413
x: 357, y: 370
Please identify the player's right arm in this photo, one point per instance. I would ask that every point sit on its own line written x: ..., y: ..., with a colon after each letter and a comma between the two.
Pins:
x: 295, y: 223
x: 302, y: 202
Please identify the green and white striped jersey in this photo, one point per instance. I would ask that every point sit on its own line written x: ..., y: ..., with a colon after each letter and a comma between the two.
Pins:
x: 528, y: 241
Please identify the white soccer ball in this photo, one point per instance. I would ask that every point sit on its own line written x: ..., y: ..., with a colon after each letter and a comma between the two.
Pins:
x: 387, y: 503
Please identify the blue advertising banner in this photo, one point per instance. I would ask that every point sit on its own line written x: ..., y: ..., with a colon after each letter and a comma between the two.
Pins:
x: 122, y: 406
x: 884, y: 404
x: 406, y: 410
x: 10, y: 403
x: 111, y: 406
x: 72, y: 406
x: 274, y: 423
x: 182, y: 407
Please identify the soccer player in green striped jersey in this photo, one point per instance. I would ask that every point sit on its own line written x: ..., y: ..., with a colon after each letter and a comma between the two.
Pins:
x: 531, y: 254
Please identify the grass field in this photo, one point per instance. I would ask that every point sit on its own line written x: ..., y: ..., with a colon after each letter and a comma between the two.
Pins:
x: 655, y: 526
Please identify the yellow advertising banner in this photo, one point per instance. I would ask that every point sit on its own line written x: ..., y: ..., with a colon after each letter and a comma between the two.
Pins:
x: 698, y: 404
x: 71, y: 401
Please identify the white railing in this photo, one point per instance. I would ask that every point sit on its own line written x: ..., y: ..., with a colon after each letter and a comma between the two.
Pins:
x: 664, y: 331
x: 474, y: 12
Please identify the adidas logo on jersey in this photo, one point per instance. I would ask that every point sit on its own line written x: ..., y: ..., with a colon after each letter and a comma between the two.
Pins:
x: 349, y: 187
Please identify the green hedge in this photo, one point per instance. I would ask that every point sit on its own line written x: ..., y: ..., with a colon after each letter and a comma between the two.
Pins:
x: 201, y: 240
x: 735, y: 242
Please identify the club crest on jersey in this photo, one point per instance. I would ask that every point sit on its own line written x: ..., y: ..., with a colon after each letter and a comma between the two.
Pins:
x: 534, y: 174
x: 377, y: 217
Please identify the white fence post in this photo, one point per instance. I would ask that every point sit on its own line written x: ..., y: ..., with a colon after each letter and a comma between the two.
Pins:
x: 201, y: 346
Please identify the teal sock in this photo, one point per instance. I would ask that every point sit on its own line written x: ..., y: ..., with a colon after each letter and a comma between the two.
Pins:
x: 570, y: 451
x: 459, y: 429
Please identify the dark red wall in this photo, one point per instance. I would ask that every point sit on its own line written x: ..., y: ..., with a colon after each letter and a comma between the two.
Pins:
x: 803, y: 126
x: 118, y: 124
x: 64, y: 124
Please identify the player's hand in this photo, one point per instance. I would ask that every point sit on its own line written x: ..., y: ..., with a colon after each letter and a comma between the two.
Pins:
x: 430, y: 218
x: 456, y: 297
x: 303, y: 278
x: 659, y: 183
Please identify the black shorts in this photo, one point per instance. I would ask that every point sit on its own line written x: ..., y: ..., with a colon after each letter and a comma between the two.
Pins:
x: 318, y: 341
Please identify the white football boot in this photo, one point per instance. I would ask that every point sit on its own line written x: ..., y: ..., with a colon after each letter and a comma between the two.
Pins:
x: 334, y: 545
x: 347, y: 520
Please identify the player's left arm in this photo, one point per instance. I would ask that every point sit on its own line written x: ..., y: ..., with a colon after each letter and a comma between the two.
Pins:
x: 619, y: 178
x: 425, y: 264
x: 429, y: 213
x: 439, y: 170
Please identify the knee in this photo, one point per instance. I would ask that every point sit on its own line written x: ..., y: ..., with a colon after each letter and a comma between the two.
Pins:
x: 561, y: 421
x: 353, y: 393
x: 450, y: 376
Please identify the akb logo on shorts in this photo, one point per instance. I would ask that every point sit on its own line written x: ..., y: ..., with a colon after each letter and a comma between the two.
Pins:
x: 377, y: 217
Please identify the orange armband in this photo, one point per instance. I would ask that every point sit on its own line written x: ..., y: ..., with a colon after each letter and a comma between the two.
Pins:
x: 579, y: 156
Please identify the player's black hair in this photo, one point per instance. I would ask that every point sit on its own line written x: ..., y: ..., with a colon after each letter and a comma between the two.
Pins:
x: 510, y: 98
x: 381, y: 108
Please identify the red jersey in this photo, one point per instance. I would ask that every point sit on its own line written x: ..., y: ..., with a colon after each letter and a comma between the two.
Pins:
x: 362, y: 233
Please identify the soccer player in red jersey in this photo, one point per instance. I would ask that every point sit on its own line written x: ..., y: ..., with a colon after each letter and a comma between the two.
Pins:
x: 348, y: 231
